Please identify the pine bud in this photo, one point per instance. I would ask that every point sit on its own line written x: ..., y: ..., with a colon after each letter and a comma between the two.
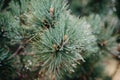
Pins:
x: 55, y: 46
x: 46, y: 27
x: 65, y: 37
x: 51, y: 11
x: 104, y: 43
x: 118, y: 47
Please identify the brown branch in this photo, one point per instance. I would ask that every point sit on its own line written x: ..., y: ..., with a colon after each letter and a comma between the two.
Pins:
x: 115, y: 72
x: 17, y: 51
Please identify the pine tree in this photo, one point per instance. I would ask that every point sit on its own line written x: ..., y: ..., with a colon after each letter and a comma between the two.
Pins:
x: 41, y: 39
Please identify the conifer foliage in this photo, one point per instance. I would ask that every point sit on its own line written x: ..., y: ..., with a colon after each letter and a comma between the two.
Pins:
x: 41, y: 39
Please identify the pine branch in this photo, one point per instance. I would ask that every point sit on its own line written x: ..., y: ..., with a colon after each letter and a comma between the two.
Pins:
x: 60, y: 47
x: 17, y: 51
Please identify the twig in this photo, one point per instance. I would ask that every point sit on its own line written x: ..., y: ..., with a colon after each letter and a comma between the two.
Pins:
x: 115, y: 72
x: 17, y: 51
